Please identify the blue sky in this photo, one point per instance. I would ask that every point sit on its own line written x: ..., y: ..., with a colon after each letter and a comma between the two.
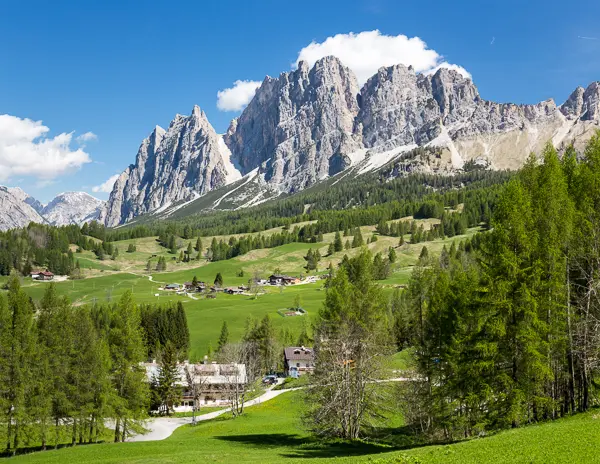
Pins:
x: 116, y: 69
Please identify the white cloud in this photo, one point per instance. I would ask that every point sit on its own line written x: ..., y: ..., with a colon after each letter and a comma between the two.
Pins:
x: 106, y: 187
x: 368, y: 51
x: 26, y: 149
x: 87, y: 137
x: 237, y: 97
x: 455, y: 67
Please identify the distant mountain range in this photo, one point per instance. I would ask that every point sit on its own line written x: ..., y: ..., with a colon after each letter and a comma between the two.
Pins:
x: 18, y: 209
x: 310, y: 124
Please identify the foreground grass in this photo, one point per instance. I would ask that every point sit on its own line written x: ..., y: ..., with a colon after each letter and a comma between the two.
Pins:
x: 272, y: 432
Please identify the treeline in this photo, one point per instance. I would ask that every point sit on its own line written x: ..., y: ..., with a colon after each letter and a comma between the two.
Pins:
x: 48, y: 247
x: 65, y: 371
x: 506, y: 329
x: 475, y: 209
x: 39, y: 246
x: 220, y: 250
x: 363, y: 201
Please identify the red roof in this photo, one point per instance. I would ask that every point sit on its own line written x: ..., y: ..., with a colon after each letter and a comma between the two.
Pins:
x: 46, y: 273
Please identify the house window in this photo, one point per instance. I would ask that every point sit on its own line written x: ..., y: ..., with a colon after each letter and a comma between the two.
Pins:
x: 297, y: 364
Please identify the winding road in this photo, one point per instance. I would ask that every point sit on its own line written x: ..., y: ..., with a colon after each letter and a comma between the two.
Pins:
x: 163, y: 427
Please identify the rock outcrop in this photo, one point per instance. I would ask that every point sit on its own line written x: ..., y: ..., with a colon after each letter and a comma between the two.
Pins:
x: 298, y: 127
x: 187, y: 160
x: 14, y: 211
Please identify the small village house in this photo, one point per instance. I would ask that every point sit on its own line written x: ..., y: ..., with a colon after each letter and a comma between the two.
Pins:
x: 234, y: 291
x: 277, y: 279
x: 298, y: 360
x: 45, y: 275
x: 213, y: 381
x: 172, y: 287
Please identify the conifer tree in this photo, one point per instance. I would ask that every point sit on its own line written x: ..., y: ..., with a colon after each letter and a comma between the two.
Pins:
x: 392, y: 255
x: 337, y: 243
x: 189, y: 252
x: 223, y: 337
x: 166, y: 383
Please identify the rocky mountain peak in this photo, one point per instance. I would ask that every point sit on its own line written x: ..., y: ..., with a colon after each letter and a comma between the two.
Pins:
x: 298, y: 127
x: 172, y: 166
x: 573, y: 106
x: 72, y: 208
x: 591, y: 103
x: 453, y: 92
x: 18, y: 209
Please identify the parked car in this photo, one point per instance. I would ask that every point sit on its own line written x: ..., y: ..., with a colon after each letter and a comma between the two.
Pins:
x: 270, y: 380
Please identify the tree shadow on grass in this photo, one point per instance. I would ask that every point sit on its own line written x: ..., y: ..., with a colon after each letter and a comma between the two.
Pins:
x: 306, y: 447
x: 298, y: 447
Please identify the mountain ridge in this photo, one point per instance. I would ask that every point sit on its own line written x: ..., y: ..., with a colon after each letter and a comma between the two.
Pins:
x: 309, y: 124
x: 18, y: 209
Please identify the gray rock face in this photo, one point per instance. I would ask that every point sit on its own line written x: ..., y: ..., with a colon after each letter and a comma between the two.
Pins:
x: 24, y: 197
x: 397, y: 108
x: 14, y: 211
x: 187, y: 160
x: 400, y: 108
x: 18, y: 209
x: 298, y: 127
x: 72, y: 208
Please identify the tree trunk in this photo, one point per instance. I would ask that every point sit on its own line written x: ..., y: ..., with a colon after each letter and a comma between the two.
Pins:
x: 117, y: 429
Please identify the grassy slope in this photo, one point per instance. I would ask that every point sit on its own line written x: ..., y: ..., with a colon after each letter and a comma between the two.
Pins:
x: 205, y: 316
x: 272, y: 432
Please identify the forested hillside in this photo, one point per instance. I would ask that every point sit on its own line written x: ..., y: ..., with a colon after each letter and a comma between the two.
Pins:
x: 509, y: 333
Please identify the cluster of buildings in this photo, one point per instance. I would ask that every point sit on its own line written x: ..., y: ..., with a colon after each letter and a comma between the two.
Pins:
x: 214, y: 383
x: 274, y: 279
x: 279, y: 279
x: 201, y: 287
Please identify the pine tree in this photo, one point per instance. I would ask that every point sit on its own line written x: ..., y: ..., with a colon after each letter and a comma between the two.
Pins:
x: 172, y: 245
x: 337, y: 243
x: 330, y: 249
x: 351, y: 342
x: 127, y: 350
x: 357, y: 240
x: 189, y: 252
x: 392, y: 255
x: 223, y: 337
x: 167, y: 380
x: 19, y: 346
x: 218, y: 280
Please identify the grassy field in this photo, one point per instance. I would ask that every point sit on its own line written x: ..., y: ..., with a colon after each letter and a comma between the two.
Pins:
x: 272, y: 432
x: 108, y: 280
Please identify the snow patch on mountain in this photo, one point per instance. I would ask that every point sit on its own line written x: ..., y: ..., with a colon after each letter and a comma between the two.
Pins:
x: 72, y: 208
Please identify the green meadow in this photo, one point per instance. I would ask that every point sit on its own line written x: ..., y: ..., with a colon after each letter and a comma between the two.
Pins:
x: 273, y: 432
x: 104, y: 283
